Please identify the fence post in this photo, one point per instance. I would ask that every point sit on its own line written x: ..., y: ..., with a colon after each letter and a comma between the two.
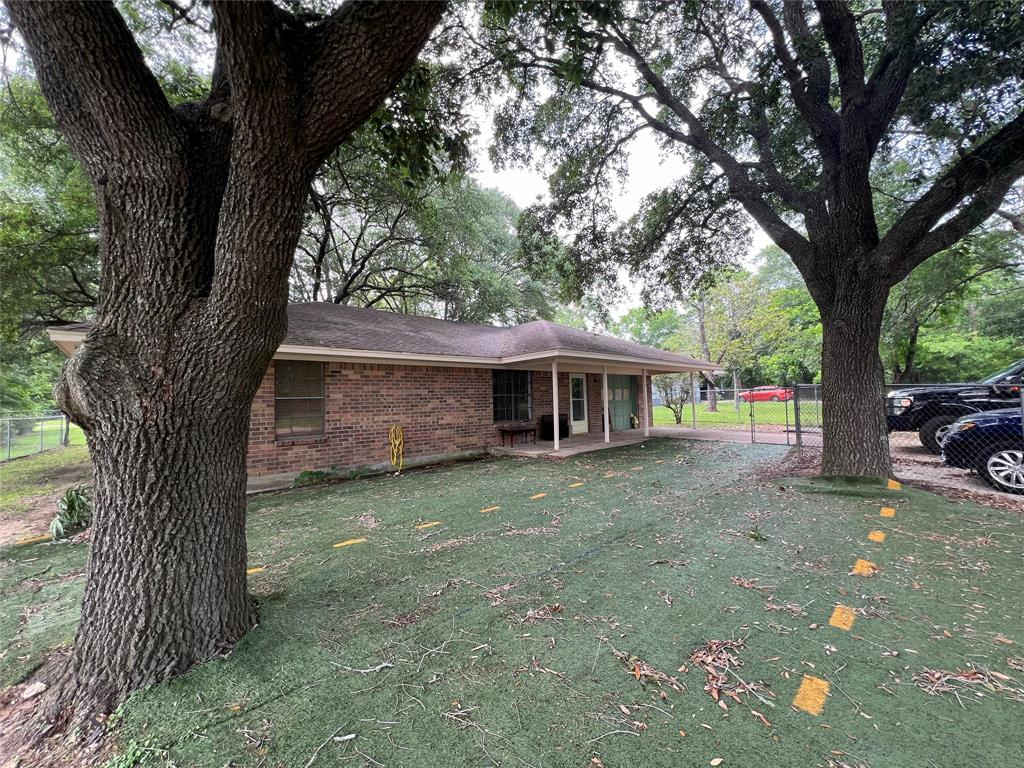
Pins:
x: 42, y: 432
x: 693, y: 402
x: 796, y: 416
x: 753, y: 429
x: 8, y: 439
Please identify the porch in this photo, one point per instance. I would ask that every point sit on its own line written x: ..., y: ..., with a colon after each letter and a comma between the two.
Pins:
x: 571, y: 446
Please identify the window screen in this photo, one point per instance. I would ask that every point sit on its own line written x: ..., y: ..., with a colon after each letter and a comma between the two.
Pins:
x: 298, y: 398
x: 512, y: 395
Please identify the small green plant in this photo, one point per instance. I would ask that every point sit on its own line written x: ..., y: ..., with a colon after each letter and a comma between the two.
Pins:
x: 315, y: 477
x: 756, y: 534
x: 74, y: 511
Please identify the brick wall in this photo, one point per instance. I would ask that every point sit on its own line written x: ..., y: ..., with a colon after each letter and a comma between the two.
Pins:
x: 442, y: 411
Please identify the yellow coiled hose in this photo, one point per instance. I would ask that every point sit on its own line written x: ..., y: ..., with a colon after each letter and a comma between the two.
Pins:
x: 396, y: 440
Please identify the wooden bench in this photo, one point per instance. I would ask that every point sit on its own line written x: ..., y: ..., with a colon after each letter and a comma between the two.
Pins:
x: 524, y: 428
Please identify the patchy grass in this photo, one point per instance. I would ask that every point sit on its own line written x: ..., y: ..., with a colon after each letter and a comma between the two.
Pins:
x: 766, y: 413
x: 587, y: 623
x: 34, y: 475
x: 46, y: 434
x: 30, y: 487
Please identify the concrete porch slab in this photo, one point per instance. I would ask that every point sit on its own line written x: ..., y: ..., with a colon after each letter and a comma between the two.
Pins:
x: 571, y: 446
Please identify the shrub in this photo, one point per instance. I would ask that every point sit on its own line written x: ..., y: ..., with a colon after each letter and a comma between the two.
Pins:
x: 315, y: 477
x: 74, y: 511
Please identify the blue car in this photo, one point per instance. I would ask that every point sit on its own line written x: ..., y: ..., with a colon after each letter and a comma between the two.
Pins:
x: 990, y: 443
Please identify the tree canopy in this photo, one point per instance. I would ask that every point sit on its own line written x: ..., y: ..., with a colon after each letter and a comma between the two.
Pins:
x: 863, y: 140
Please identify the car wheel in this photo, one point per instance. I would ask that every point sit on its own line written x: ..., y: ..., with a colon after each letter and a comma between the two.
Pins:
x: 933, y: 431
x: 775, y: 398
x: 1002, y: 467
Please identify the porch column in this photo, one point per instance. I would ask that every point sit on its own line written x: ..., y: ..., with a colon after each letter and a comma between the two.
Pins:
x: 647, y: 404
x: 693, y: 402
x: 554, y: 398
x: 604, y: 399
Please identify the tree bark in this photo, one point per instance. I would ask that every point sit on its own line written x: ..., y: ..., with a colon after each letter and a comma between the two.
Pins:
x: 855, y: 438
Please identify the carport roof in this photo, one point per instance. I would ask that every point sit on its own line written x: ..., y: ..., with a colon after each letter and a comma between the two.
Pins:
x: 334, y: 330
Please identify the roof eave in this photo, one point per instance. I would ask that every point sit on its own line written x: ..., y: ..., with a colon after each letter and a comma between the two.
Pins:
x: 67, y: 340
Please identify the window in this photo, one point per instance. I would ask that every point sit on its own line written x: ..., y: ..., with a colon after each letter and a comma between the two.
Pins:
x: 512, y: 395
x: 298, y: 398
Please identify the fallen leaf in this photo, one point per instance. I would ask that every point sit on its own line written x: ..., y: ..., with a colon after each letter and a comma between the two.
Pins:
x: 716, y: 761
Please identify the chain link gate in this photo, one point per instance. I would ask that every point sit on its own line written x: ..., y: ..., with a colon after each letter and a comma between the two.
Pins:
x: 968, y: 437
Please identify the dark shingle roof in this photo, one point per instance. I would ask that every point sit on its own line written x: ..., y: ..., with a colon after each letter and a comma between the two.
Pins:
x: 336, y: 326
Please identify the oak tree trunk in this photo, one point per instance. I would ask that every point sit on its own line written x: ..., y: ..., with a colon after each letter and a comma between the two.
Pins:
x: 200, y: 208
x: 854, y: 432
x: 164, y: 396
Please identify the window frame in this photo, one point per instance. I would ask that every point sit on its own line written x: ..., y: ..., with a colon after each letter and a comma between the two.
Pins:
x: 511, y: 396
x: 322, y: 397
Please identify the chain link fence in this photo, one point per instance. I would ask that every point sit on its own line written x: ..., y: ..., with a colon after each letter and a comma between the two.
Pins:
x: 25, y: 435
x: 963, y: 436
x: 966, y: 436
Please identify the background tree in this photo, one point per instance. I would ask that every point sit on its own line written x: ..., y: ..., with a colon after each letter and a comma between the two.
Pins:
x: 934, y: 296
x: 674, y: 391
x: 440, y: 245
x: 201, y: 205
x: 657, y: 329
x: 790, y: 107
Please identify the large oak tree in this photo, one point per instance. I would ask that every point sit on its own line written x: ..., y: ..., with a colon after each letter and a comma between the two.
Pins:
x: 200, y: 210
x: 791, y: 109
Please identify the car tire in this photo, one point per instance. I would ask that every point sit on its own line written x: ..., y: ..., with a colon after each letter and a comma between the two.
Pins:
x: 931, y: 432
x: 775, y: 398
x: 1002, y: 467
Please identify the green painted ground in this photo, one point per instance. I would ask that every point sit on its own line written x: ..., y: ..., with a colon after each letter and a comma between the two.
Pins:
x: 488, y: 640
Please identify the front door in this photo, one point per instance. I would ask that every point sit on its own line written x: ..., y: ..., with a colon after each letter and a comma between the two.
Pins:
x: 621, y: 401
x: 578, y: 402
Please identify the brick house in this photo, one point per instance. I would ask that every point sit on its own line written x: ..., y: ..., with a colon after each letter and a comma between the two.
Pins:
x: 345, y: 375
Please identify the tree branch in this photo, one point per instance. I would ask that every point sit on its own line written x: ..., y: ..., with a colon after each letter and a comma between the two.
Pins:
x: 361, y: 52
x: 102, y: 95
x: 810, y: 95
x: 985, y: 175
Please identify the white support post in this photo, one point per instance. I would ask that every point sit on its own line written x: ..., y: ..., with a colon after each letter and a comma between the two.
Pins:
x: 693, y: 402
x: 554, y: 398
x: 647, y: 404
x: 604, y: 399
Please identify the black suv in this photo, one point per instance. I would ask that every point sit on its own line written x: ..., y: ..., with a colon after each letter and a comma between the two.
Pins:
x: 930, y: 410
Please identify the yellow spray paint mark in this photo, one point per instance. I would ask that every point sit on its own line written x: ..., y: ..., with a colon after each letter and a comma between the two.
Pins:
x: 348, y: 543
x: 810, y: 698
x: 33, y: 539
x: 864, y: 568
x: 251, y: 571
x: 490, y: 509
x: 877, y: 536
x: 660, y: 461
x: 537, y: 496
x: 842, y: 618
x: 609, y: 474
x: 575, y: 485
x: 887, y: 512
x: 431, y: 524
x: 894, y: 485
